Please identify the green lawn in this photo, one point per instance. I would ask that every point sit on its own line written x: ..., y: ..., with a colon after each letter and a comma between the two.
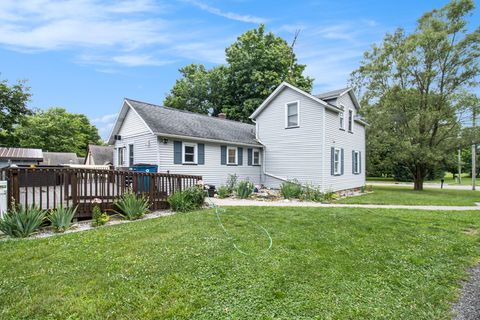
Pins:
x: 408, y: 196
x: 466, y: 180
x: 328, y: 263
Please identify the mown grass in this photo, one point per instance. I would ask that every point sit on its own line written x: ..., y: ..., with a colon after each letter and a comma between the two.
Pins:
x: 448, y: 180
x: 325, y: 263
x: 408, y: 196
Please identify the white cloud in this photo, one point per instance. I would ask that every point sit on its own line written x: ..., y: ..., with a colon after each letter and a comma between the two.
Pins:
x: 140, y: 60
x: 105, y: 124
x: 108, y: 118
x: 226, y: 14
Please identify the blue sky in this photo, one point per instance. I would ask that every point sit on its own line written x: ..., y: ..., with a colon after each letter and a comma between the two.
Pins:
x: 87, y: 55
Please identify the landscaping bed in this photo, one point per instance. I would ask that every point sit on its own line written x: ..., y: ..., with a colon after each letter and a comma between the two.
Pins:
x: 328, y: 263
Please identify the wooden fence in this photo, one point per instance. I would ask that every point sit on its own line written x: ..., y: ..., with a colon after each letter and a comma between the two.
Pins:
x: 48, y: 188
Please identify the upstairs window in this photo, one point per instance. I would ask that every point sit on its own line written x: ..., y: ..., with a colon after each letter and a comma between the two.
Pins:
x: 350, y: 120
x: 292, y: 115
x: 232, y: 155
x: 342, y: 120
x: 189, y: 153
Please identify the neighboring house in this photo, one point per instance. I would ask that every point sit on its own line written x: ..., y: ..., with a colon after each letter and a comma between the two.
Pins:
x: 99, y: 155
x: 20, y: 156
x: 318, y: 140
x: 59, y: 158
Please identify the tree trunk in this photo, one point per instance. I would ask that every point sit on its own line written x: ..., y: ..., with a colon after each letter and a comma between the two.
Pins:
x: 418, y: 178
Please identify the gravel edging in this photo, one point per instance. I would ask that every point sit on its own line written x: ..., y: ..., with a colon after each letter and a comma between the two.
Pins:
x: 468, y: 305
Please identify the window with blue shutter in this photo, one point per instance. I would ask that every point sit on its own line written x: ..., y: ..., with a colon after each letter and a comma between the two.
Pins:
x: 240, y: 156
x: 342, y: 163
x: 201, y: 154
x: 223, y: 155
x: 177, y: 152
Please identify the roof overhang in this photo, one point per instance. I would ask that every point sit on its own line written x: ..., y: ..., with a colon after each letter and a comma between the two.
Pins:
x: 279, y: 89
x: 176, y: 136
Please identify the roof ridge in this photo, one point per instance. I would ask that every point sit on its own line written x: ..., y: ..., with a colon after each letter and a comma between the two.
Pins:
x: 188, y: 111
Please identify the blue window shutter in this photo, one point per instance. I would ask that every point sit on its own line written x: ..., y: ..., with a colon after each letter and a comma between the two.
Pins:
x: 177, y: 152
x: 250, y: 156
x: 342, y: 161
x: 240, y: 156
x: 201, y: 153
x: 353, y: 161
x: 332, y: 160
x: 223, y: 155
x: 359, y: 161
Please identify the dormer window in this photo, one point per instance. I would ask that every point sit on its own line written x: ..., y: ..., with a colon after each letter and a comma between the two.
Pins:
x: 292, y: 115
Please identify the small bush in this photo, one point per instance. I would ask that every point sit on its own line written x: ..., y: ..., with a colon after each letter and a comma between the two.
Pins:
x: 61, y: 218
x: 244, y: 189
x: 20, y: 222
x: 232, y: 182
x: 187, y: 200
x: 99, y: 218
x: 291, y: 190
x: 223, y: 192
x: 329, y: 196
x: 312, y: 193
x: 132, y: 206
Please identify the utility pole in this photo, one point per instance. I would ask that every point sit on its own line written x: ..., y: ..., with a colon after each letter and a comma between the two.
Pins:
x: 474, y: 148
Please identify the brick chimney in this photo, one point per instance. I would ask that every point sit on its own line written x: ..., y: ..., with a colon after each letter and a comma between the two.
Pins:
x: 222, y: 115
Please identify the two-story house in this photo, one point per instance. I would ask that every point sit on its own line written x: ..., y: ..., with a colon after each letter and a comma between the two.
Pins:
x: 315, y: 139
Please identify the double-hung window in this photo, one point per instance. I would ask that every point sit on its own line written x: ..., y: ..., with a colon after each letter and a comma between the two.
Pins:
x: 350, y: 120
x: 292, y: 115
x: 256, y: 157
x: 342, y: 120
x: 231, y: 155
x: 356, y: 161
x: 130, y: 155
x: 336, y: 161
x: 120, y: 156
x: 189, y: 153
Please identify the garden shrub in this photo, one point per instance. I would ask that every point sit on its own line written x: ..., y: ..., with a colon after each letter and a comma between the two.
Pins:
x: 291, y: 189
x: 223, y: 192
x: 61, y: 218
x: 132, y: 206
x: 312, y: 193
x: 232, y: 182
x: 187, y: 200
x: 244, y: 189
x: 20, y: 222
x: 99, y: 218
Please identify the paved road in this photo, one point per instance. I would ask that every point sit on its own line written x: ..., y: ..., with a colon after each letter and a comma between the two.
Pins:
x: 425, y: 185
x: 282, y: 203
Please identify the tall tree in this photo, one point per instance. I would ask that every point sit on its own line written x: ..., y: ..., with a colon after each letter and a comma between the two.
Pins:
x: 56, y: 130
x: 409, y: 82
x: 13, y: 109
x: 256, y: 64
x: 199, y: 90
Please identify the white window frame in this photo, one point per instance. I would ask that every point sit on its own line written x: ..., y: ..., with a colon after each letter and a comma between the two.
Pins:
x: 253, y: 157
x: 337, y: 163
x: 297, y: 102
x: 228, y: 156
x: 341, y: 117
x: 120, y: 156
x: 356, y: 162
x: 195, y: 153
x: 350, y: 120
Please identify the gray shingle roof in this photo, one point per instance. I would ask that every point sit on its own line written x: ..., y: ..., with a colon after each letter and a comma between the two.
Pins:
x: 21, y: 154
x: 164, y: 120
x: 57, y: 158
x: 331, y: 94
x: 102, y: 155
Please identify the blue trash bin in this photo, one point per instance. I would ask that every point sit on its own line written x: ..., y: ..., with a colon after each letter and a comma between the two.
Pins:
x: 143, y: 183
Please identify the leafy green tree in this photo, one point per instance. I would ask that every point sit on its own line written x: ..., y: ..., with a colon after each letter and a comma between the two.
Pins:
x: 56, y: 130
x: 199, y: 90
x: 409, y: 83
x: 13, y: 109
x: 256, y: 64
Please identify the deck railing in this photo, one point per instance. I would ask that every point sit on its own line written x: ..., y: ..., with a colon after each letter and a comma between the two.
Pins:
x: 48, y: 188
